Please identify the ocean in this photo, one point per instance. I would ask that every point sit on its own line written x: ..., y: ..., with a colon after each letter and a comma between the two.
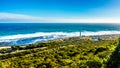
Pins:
x: 28, y: 33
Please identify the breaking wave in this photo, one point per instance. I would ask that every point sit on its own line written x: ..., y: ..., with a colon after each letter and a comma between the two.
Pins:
x: 24, y: 39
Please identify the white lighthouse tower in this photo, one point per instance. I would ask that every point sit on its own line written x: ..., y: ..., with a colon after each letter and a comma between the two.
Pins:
x: 80, y: 35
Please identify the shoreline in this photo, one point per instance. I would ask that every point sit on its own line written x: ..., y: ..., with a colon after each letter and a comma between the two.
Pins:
x: 103, y: 37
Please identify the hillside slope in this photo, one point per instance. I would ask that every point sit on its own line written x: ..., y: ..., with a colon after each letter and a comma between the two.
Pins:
x: 62, y: 53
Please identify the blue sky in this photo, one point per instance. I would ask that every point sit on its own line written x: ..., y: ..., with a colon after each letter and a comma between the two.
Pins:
x: 59, y: 10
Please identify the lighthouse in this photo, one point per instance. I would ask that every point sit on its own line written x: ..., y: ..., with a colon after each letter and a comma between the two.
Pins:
x: 80, y: 35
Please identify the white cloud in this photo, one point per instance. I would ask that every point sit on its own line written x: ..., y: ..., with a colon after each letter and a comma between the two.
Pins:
x: 8, y: 17
x: 18, y: 17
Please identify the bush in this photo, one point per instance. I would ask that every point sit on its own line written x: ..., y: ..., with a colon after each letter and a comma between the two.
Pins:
x: 94, y: 64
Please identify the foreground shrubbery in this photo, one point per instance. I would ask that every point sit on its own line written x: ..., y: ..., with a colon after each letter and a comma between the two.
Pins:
x: 66, y: 53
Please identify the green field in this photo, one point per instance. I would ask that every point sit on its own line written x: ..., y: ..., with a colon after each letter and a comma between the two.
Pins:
x: 63, y: 53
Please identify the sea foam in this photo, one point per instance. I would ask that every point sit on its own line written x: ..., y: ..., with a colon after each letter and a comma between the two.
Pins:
x: 23, y: 39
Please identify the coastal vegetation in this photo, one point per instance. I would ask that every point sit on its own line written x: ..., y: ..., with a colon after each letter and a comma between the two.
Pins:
x: 63, y: 53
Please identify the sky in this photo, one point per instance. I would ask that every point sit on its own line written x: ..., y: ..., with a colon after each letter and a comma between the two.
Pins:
x: 61, y: 11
